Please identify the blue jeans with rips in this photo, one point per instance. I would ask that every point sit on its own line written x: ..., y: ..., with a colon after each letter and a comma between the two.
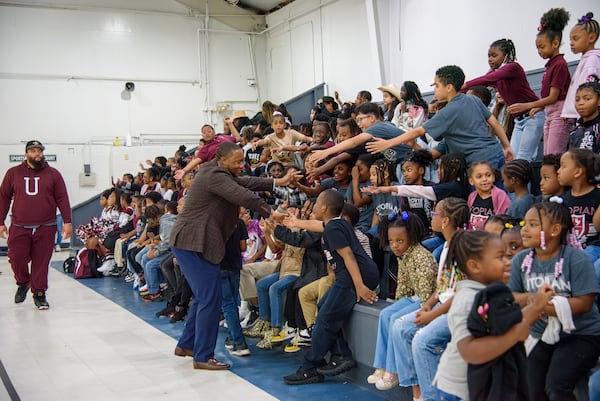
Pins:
x: 270, y: 297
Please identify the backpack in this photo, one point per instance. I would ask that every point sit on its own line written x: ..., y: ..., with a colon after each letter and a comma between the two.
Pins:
x: 86, y: 264
x: 69, y: 264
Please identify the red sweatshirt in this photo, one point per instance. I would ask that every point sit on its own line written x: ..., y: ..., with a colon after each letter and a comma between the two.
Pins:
x: 36, y: 194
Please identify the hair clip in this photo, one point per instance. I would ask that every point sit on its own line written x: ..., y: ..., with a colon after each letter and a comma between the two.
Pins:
x: 521, y: 223
x: 584, y: 20
x: 509, y: 226
x: 482, y: 310
x: 404, y: 216
x: 592, y: 78
x: 392, y: 216
x: 556, y: 199
x: 541, y: 27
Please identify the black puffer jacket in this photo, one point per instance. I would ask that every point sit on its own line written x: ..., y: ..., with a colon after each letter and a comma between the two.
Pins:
x: 313, y: 263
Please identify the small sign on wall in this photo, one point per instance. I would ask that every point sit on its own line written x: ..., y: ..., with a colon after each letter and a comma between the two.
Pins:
x: 20, y: 158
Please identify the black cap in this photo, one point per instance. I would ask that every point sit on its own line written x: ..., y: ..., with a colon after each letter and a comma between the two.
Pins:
x: 328, y: 99
x: 34, y: 144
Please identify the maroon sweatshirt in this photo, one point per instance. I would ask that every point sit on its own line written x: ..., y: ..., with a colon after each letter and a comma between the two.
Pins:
x: 36, y: 195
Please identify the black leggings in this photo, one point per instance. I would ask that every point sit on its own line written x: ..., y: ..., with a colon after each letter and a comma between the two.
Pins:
x: 554, y: 370
x: 176, y: 280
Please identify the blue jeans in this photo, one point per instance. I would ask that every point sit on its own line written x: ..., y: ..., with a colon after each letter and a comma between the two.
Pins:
x: 418, y: 351
x: 230, y: 283
x: 152, y: 272
x: 527, y: 136
x: 594, y: 386
x: 59, y: 226
x: 202, y: 322
x: 435, y: 245
x: 443, y: 396
x: 141, y: 254
x: 270, y: 297
x: 384, y: 347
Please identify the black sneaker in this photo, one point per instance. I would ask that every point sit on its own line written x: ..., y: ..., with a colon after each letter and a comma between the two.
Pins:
x: 336, y: 366
x: 39, y: 297
x: 304, y: 376
x: 240, y: 350
x: 229, y: 344
x: 179, y: 315
x: 21, y: 293
x: 166, y: 311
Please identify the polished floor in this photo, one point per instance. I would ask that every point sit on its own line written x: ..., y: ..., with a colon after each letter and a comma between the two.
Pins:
x: 99, y: 341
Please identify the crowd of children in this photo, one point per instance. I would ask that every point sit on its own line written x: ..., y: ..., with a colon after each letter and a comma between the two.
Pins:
x: 448, y: 190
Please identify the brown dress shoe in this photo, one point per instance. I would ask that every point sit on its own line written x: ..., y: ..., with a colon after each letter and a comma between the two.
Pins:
x: 212, y: 364
x: 183, y: 352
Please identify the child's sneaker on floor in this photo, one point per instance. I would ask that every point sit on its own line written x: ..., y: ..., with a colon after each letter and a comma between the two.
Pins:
x: 259, y: 329
x: 166, y: 311
x: 152, y: 297
x: 240, y: 350
x: 179, y: 315
x: 285, y: 334
x: 293, y: 345
x: 267, y: 341
x: 305, y: 337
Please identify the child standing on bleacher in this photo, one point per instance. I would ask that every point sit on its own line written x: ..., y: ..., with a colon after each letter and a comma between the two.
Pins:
x: 356, y: 277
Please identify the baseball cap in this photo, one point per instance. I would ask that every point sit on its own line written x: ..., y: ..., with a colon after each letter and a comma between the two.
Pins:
x: 34, y: 144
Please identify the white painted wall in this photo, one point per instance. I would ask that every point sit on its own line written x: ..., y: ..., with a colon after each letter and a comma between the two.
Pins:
x: 411, y: 40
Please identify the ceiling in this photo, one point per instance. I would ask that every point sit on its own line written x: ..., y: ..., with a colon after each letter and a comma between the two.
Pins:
x: 244, y: 15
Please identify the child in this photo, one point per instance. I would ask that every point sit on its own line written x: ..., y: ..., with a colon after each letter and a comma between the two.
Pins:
x: 420, y: 337
x: 549, y: 184
x: 516, y: 176
x: 583, y: 37
x: 230, y: 282
x: 156, y: 253
x: 281, y: 138
x: 293, y: 195
x: 413, y: 109
x: 356, y: 277
x: 170, y: 187
x: 578, y: 168
x: 586, y: 134
x: 186, y: 182
x: 342, y: 175
x: 463, y: 123
x: 487, y: 199
x: 553, y: 368
x: 255, y: 243
x: 555, y: 81
x: 361, y: 173
x: 480, y: 257
x: 413, y: 172
x: 511, y: 81
x: 416, y: 283
x: 384, y: 203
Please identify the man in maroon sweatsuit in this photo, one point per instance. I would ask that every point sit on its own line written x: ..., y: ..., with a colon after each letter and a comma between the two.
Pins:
x: 36, y: 190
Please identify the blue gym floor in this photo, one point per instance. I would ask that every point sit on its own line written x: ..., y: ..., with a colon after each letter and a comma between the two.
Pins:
x: 264, y: 369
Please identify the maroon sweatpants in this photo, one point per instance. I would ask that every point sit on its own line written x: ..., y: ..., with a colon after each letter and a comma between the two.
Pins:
x: 33, y: 245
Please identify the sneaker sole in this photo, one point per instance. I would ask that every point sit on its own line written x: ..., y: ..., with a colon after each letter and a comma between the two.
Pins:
x: 245, y: 352
x: 309, y: 380
x: 291, y: 350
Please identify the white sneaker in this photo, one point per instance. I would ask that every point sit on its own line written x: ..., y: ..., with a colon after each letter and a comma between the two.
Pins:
x: 57, y: 248
x: 107, y: 266
x: 305, y: 337
x: 136, y: 282
x: 144, y: 288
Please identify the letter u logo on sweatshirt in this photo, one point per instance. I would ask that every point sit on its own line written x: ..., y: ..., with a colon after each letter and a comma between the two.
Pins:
x: 28, y: 190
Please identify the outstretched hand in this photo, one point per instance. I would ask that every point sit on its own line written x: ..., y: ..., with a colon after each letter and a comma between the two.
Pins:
x: 371, y: 190
x: 377, y: 145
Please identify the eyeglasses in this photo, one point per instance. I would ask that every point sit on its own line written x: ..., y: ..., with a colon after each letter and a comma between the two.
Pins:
x: 434, y: 213
x: 359, y: 118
